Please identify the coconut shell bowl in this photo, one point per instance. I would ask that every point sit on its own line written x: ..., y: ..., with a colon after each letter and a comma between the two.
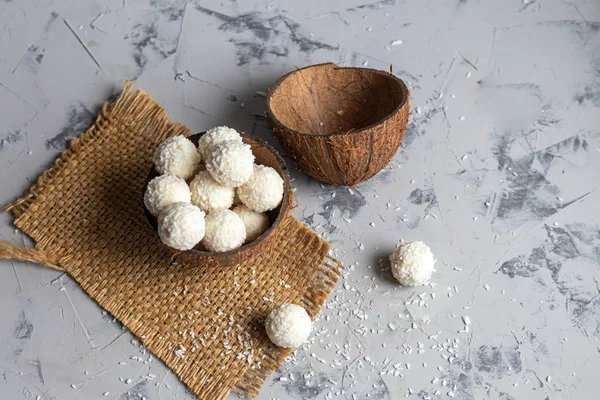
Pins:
x: 340, y: 125
x: 265, y: 155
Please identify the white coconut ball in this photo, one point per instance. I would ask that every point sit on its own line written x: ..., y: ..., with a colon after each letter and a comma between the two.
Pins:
x: 288, y: 325
x: 181, y: 225
x: 256, y: 223
x: 209, y: 195
x: 230, y: 163
x: 225, y: 231
x: 263, y: 191
x: 413, y: 263
x: 177, y: 156
x: 164, y: 190
x: 214, y: 136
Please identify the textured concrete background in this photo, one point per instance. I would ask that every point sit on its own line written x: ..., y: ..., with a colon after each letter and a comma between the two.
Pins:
x: 498, y: 173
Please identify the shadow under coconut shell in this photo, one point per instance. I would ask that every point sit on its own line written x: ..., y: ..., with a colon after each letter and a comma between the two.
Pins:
x: 265, y: 155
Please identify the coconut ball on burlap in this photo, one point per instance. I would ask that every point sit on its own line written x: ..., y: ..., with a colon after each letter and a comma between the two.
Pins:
x: 209, y: 195
x: 215, y: 136
x: 263, y: 191
x: 230, y: 163
x: 256, y: 223
x: 164, y: 190
x: 288, y: 325
x: 225, y: 231
x: 181, y: 225
x: 413, y: 263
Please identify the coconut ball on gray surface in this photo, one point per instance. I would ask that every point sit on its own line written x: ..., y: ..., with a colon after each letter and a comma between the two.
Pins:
x: 288, y: 325
x: 413, y: 263
x: 181, y: 225
x: 263, y: 191
x: 177, y: 156
x: 256, y: 223
x: 164, y: 190
x: 225, y: 231
x: 209, y: 195
x: 215, y: 136
x: 230, y: 163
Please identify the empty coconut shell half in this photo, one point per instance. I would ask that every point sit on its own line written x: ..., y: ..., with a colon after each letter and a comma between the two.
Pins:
x: 340, y: 125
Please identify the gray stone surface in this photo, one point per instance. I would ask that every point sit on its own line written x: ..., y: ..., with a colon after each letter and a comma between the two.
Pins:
x: 498, y: 173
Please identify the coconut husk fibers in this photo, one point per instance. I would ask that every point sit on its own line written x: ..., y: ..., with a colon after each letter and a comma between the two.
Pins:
x: 205, y: 322
x: 264, y: 155
x: 340, y: 125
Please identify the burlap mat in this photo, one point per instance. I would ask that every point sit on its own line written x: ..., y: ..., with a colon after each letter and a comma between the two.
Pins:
x: 85, y: 215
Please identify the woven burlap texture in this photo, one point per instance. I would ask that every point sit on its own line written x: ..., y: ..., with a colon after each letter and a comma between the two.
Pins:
x: 205, y: 322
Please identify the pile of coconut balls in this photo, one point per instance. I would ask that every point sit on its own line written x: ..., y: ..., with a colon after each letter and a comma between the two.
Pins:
x: 225, y: 203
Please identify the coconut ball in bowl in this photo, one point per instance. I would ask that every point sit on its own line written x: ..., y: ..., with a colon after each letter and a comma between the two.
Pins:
x: 230, y: 163
x: 263, y: 191
x: 215, y: 136
x: 181, y: 226
x: 164, y: 190
x: 209, y: 195
x: 177, y: 156
x: 225, y: 231
x: 256, y: 223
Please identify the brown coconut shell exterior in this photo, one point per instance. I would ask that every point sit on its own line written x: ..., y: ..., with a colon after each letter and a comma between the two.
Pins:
x: 265, y: 155
x: 340, y: 125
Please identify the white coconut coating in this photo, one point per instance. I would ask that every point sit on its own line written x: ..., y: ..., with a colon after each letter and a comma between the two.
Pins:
x: 177, y: 156
x: 256, y: 223
x: 214, y: 136
x: 209, y: 195
x: 225, y: 231
x: 181, y: 225
x: 413, y: 263
x: 288, y: 325
x: 230, y: 163
x: 164, y: 190
x: 263, y: 191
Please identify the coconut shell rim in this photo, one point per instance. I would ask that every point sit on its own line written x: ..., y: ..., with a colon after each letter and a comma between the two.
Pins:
x: 284, y: 207
x: 271, y: 91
